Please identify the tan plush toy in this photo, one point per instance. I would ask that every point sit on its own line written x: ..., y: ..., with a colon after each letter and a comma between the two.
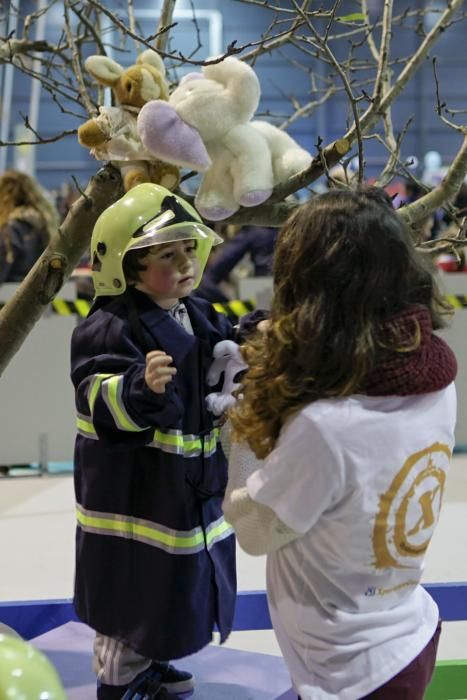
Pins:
x: 113, y: 134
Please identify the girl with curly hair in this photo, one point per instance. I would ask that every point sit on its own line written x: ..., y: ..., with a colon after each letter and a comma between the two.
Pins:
x: 349, y: 407
x: 27, y: 222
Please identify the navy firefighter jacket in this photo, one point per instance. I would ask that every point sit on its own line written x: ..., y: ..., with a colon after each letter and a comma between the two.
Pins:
x: 155, y: 559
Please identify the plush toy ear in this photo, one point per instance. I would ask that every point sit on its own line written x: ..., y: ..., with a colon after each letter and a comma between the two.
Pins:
x: 103, y: 69
x: 240, y: 82
x: 153, y: 58
x: 165, y: 135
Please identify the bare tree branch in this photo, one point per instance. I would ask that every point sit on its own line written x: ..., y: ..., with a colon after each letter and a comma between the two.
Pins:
x: 431, y: 201
x: 165, y: 22
x: 10, y: 48
x: 376, y: 110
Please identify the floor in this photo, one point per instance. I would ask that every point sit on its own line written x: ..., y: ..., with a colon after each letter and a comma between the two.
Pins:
x: 37, y: 539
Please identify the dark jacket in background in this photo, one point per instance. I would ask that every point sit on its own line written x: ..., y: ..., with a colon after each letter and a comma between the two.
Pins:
x: 258, y: 241
x: 22, y: 241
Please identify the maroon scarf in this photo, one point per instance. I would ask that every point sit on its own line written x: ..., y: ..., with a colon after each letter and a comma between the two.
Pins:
x: 430, y: 367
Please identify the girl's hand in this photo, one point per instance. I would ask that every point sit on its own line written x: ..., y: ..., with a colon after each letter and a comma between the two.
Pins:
x: 158, y: 373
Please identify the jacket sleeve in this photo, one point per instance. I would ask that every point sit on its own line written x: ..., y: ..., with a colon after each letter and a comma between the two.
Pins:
x: 113, y: 400
x: 11, y: 249
x: 5, y: 262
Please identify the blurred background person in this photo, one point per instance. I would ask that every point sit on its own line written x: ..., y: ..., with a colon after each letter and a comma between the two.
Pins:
x: 450, y: 262
x: 255, y: 241
x: 27, y: 222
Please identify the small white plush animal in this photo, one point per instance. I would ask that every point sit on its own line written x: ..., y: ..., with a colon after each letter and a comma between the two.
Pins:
x: 229, y: 361
x: 206, y: 126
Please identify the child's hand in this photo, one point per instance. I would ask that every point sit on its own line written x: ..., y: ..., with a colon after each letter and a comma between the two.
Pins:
x: 264, y: 325
x: 158, y: 373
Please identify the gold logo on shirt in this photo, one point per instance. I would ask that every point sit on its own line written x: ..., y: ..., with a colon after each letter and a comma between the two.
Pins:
x: 409, y: 510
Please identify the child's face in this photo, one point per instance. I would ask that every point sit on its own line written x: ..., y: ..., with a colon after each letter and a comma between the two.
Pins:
x: 171, y: 271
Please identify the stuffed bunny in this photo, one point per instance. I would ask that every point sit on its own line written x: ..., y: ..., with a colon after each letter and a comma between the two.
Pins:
x: 113, y: 135
x: 206, y: 126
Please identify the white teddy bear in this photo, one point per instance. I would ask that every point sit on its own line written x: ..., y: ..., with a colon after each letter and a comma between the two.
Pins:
x: 206, y: 126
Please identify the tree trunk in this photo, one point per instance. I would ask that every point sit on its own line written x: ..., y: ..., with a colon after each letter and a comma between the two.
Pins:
x: 61, y: 256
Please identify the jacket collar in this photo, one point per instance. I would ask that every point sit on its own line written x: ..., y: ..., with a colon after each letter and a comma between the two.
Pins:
x: 168, y: 335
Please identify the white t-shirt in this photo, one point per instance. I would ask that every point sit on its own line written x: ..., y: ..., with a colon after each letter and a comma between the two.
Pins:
x: 361, y: 478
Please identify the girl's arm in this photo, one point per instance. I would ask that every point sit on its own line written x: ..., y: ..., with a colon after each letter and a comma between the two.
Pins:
x: 273, y: 501
x: 258, y: 529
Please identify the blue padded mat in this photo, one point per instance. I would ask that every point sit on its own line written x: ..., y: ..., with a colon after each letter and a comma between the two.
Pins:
x: 221, y: 674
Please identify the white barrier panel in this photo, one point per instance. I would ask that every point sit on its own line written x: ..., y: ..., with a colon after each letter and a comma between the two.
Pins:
x: 455, y: 284
x: 37, y: 414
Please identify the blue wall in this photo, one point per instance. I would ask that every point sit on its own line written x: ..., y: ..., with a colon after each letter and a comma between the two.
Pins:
x: 56, y: 162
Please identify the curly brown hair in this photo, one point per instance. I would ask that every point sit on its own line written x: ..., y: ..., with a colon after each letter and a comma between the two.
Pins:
x: 344, y: 262
x: 18, y: 189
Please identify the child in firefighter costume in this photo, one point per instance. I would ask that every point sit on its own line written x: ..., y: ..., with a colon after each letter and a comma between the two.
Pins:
x: 155, y: 559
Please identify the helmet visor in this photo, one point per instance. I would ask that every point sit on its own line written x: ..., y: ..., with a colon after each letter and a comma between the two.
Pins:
x: 160, y: 230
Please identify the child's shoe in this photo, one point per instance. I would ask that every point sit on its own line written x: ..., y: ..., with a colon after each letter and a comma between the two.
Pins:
x: 171, y: 678
x: 160, y: 681
x: 110, y: 692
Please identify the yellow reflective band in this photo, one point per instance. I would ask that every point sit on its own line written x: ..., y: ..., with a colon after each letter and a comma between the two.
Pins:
x: 85, y: 426
x: 94, y: 387
x: 218, y: 531
x: 174, y: 442
x: 238, y: 307
x: 186, y: 445
x: 220, y: 308
x: 173, y: 439
x: 147, y: 532
x: 113, y: 387
x: 135, y: 530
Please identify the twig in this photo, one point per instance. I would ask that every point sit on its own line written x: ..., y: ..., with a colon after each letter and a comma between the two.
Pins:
x: 444, y: 191
x: 374, y: 112
x: 440, y: 105
x: 324, y: 46
x: 382, y: 80
x: 76, y: 62
x: 165, y: 22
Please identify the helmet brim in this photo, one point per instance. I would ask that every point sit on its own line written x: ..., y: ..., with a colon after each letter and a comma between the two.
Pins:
x: 148, y: 236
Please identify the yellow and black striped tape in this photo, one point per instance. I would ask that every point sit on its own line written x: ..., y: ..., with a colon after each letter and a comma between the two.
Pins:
x: 233, y: 309
x: 458, y: 301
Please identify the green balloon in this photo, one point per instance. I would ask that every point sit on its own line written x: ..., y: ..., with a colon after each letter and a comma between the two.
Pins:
x: 25, y: 673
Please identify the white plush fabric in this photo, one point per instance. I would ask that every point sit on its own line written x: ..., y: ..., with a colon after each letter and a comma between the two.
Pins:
x: 119, y: 123
x: 228, y: 361
x: 258, y: 529
x: 242, y: 160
